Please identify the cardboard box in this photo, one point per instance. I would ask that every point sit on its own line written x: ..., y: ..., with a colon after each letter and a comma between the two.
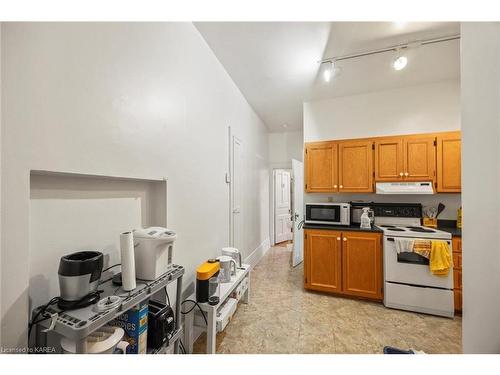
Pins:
x: 135, y: 324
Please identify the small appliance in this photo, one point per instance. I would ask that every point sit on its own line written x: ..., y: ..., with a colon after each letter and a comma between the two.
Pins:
x: 227, y: 268
x: 204, y: 273
x: 328, y: 213
x: 233, y: 253
x: 161, y: 324
x: 416, y: 188
x: 79, y: 275
x: 106, y: 340
x: 357, y: 210
x: 153, y: 250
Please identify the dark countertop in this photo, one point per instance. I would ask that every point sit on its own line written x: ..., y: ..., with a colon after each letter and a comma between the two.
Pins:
x: 455, y: 232
x: 350, y: 228
x: 450, y: 226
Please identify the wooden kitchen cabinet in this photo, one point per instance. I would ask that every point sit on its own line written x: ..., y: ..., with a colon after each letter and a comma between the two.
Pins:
x: 389, y: 159
x: 362, y: 264
x: 348, y: 262
x: 355, y: 166
x: 457, y: 272
x: 322, y: 261
x: 419, y: 158
x: 321, y: 165
x: 448, y: 163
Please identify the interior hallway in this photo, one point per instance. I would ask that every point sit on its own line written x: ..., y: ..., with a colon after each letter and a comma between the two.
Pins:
x: 283, y: 318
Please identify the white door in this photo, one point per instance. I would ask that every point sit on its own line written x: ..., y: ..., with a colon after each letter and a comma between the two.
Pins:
x: 236, y: 194
x: 282, y: 206
x: 297, y: 211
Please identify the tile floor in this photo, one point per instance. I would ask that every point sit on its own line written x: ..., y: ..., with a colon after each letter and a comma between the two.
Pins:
x: 284, y: 318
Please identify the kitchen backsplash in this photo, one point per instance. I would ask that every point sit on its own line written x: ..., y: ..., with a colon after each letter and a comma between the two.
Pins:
x: 451, y: 201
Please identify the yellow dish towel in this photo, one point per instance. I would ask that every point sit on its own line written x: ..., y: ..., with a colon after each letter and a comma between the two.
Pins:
x: 440, y: 261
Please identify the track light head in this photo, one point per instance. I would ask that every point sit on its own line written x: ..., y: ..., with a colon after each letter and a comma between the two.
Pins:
x: 328, y: 70
x: 400, y: 62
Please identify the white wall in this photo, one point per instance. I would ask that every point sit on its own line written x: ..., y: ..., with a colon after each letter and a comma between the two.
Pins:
x: 283, y: 147
x: 481, y: 186
x: 124, y: 99
x: 418, y: 109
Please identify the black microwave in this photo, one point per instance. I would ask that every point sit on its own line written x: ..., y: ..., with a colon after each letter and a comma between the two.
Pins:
x: 328, y: 213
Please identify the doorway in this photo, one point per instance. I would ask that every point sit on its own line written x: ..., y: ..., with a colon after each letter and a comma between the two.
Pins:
x: 282, y: 206
x: 287, y: 208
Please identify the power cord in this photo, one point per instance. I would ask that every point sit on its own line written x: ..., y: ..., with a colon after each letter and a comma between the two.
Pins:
x: 196, y: 304
x: 113, y: 266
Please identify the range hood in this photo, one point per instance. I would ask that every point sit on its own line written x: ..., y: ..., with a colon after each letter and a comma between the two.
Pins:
x: 404, y: 188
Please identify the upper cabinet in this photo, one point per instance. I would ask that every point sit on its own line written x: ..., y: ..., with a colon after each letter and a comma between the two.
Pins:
x: 321, y: 167
x: 449, y: 169
x: 419, y: 158
x: 389, y: 159
x: 352, y: 166
x: 356, y: 166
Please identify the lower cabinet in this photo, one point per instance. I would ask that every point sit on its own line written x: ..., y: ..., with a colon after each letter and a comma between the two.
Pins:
x: 348, y: 262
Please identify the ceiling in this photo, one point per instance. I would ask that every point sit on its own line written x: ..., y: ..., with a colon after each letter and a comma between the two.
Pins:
x: 275, y: 64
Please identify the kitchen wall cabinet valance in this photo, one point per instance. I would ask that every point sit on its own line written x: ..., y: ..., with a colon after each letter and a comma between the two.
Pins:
x: 348, y: 263
x: 352, y: 166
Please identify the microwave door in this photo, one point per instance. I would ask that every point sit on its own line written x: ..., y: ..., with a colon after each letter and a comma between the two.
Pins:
x: 323, y: 214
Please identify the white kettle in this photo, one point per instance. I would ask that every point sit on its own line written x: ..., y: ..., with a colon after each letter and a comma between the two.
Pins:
x: 233, y: 253
x: 227, y: 268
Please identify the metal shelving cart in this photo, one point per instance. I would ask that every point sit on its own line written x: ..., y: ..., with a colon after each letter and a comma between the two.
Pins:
x: 77, y: 324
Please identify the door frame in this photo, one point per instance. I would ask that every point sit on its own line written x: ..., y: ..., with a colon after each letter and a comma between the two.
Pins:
x: 230, y: 181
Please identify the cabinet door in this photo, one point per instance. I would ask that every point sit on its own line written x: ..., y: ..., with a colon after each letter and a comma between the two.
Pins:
x: 449, y: 168
x: 356, y: 167
x: 322, y: 261
x: 419, y: 158
x: 362, y: 264
x: 389, y: 159
x: 321, y: 167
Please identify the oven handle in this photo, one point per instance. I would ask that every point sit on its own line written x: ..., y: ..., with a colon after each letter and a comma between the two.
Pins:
x: 392, y: 240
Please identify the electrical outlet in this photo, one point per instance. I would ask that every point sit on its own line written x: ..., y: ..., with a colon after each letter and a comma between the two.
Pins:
x: 330, y: 199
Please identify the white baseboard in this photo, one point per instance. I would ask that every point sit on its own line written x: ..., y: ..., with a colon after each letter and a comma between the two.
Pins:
x: 258, y: 253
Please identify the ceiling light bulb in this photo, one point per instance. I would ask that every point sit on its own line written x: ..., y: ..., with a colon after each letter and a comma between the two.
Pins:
x: 400, y: 63
x: 328, y: 71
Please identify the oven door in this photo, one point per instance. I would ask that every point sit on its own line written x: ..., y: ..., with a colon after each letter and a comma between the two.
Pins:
x: 412, y: 268
x: 325, y: 214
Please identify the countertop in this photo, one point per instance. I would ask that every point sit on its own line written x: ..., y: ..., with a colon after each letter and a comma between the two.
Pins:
x: 450, y: 226
x: 350, y: 228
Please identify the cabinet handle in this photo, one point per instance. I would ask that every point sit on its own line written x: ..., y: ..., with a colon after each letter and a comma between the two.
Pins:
x: 401, y: 174
x: 341, y: 186
x: 406, y: 174
x: 345, y: 239
x: 338, y: 238
x: 334, y: 186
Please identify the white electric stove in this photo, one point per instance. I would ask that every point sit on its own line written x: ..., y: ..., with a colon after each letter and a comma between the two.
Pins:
x: 408, y: 282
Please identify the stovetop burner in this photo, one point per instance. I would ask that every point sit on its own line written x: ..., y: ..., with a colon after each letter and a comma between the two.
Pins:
x: 421, y: 230
x: 395, y: 229
x: 387, y: 226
